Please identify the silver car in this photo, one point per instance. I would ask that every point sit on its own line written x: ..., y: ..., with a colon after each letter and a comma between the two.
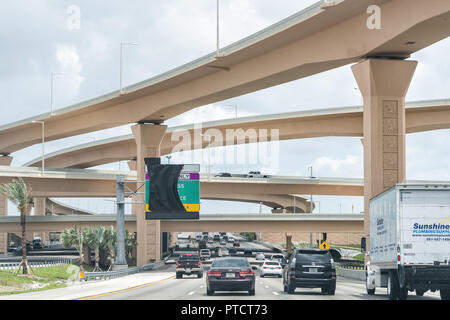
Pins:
x: 260, y: 256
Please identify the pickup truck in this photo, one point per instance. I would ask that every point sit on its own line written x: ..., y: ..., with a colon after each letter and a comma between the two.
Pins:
x: 256, y: 174
x: 188, y: 263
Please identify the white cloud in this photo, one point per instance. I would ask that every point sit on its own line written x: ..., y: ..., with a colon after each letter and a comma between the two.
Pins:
x: 330, y: 166
x: 70, y: 64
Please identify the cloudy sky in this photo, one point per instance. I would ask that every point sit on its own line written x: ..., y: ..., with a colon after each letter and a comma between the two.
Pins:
x: 82, y: 39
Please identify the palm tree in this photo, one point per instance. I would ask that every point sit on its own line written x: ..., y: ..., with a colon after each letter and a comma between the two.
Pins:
x: 73, y: 237
x: 109, y: 241
x: 95, y: 239
x: 130, y: 243
x: 18, y: 193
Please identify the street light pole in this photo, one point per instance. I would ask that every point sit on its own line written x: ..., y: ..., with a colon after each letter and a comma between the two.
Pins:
x: 121, y: 60
x: 43, y: 144
x: 218, y: 29
x: 209, y: 154
x: 235, y: 110
x: 51, y: 90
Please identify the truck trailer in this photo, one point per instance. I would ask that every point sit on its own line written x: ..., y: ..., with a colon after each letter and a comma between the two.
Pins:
x: 409, y: 241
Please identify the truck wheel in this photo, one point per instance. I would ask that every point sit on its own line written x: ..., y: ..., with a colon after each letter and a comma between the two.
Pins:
x: 403, y: 293
x: 285, y: 288
x: 200, y: 275
x: 209, y: 292
x: 332, y: 289
x: 371, y: 292
x: 251, y: 292
x: 393, y: 286
x: 179, y: 275
x: 420, y: 293
x: 291, y: 289
x: 445, y: 294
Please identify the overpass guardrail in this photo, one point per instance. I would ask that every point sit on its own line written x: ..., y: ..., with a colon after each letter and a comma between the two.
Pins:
x: 38, y: 263
x: 108, y: 275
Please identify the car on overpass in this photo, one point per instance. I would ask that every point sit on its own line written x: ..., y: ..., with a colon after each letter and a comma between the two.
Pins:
x: 223, y: 175
x: 256, y: 174
x: 310, y: 268
x: 230, y: 274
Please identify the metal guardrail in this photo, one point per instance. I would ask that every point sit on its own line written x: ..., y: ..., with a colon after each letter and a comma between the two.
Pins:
x: 351, y: 264
x: 107, y: 275
x: 38, y: 263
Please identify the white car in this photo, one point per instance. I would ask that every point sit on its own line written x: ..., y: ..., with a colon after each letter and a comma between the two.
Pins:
x: 256, y: 174
x: 271, y: 268
x: 205, y: 254
x: 224, y: 252
x: 260, y: 256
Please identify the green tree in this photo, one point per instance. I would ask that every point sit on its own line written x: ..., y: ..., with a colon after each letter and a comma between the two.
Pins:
x: 130, y: 243
x: 96, y: 239
x: 73, y: 237
x: 18, y: 193
x: 109, y: 241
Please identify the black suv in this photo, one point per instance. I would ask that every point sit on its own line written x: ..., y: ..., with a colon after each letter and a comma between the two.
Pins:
x: 310, y: 268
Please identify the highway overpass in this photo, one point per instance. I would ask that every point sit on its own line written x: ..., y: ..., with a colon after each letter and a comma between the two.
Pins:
x: 320, y: 38
x: 208, y: 222
x: 344, y: 122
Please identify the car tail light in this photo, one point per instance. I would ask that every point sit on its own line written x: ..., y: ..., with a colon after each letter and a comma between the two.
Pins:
x: 214, y: 273
x: 199, y: 263
x: 176, y: 265
x: 278, y: 267
x: 246, y: 273
x: 398, y: 257
x: 264, y: 267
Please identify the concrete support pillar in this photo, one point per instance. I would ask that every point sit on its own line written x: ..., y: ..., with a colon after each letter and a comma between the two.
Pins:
x: 4, y: 161
x: 383, y: 84
x: 148, y: 139
x: 40, y: 207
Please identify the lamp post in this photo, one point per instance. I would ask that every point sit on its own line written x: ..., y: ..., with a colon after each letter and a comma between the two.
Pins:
x: 51, y: 89
x: 43, y: 143
x: 209, y: 154
x: 218, y: 29
x: 311, y: 201
x: 235, y: 109
x: 121, y: 59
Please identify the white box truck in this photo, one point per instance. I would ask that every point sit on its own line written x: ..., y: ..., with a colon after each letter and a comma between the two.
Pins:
x: 409, y: 241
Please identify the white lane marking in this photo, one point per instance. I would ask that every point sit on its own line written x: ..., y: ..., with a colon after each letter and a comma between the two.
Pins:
x: 276, y: 293
x: 267, y: 287
x: 191, y: 293
x: 201, y: 287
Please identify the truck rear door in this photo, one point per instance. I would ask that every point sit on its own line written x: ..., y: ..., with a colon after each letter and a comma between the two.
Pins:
x: 425, y: 226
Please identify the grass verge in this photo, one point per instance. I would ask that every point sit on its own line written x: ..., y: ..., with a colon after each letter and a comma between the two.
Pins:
x: 40, y: 279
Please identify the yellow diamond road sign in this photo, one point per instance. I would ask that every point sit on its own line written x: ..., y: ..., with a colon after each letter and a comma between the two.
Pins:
x: 324, y: 245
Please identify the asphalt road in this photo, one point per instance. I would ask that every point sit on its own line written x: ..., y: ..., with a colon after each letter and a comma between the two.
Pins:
x: 192, y: 288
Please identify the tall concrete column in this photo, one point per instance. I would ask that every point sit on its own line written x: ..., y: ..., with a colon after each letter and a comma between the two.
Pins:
x: 148, y: 139
x: 4, y: 161
x: 383, y: 84
x: 40, y: 206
